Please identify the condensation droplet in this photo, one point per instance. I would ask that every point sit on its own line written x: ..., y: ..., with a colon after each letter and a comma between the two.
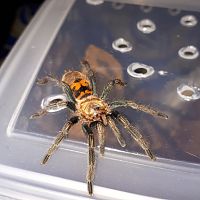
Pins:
x: 162, y: 72
x: 139, y: 70
x: 188, y: 92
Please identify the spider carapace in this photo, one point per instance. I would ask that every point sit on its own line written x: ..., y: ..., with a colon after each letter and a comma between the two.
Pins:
x: 94, y: 112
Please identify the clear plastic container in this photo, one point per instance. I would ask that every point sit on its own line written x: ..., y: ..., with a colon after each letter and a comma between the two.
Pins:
x: 155, y: 51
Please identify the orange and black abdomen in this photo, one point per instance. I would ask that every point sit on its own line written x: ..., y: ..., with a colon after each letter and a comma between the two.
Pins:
x: 81, y: 88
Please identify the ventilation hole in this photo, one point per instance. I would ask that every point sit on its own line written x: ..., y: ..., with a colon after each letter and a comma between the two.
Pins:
x: 53, y: 99
x: 122, y: 45
x: 173, y: 11
x: 189, y: 52
x: 188, y: 93
x: 117, y: 5
x: 139, y: 70
x: 146, y: 9
x: 189, y: 20
x: 146, y: 26
x: 95, y: 2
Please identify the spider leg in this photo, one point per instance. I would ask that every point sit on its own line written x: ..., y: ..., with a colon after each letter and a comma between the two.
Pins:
x: 116, y: 131
x: 66, y: 89
x: 91, y: 157
x: 140, y: 107
x: 46, y: 79
x: 109, y: 87
x: 62, y: 134
x: 136, y: 135
x: 101, y: 136
x: 54, y: 105
x: 85, y: 64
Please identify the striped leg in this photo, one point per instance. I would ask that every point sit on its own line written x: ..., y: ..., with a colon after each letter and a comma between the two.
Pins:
x: 91, y: 158
x: 116, y: 131
x: 101, y: 136
x: 136, y: 135
x: 52, y: 78
x: 139, y: 107
x: 54, y: 105
x: 49, y: 78
x: 62, y: 134
x: 109, y: 87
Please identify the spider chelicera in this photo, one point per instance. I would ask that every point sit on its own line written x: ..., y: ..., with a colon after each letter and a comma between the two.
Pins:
x: 93, y: 111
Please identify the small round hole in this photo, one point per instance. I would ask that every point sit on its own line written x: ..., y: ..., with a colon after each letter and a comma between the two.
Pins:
x: 173, y: 11
x: 189, y: 20
x: 188, y: 92
x: 95, y: 2
x: 117, y: 5
x: 53, y: 99
x: 188, y: 52
x: 146, y: 26
x: 146, y: 9
x: 139, y: 70
x: 122, y: 45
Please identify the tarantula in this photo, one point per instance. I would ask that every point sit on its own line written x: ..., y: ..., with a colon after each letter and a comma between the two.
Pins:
x: 93, y: 111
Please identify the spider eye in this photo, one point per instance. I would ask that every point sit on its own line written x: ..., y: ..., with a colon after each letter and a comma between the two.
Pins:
x: 96, y: 108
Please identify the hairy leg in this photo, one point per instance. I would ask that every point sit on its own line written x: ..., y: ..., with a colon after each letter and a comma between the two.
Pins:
x: 62, y: 134
x: 48, y: 78
x: 116, y: 131
x: 109, y: 87
x: 85, y: 64
x: 136, y: 135
x: 139, y: 107
x: 101, y: 136
x: 54, y: 105
x: 91, y: 157
x: 52, y: 78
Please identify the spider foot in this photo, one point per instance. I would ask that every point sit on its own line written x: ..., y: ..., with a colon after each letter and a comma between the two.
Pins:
x: 150, y: 154
x: 163, y: 115
x: 90, y: 187
x: 46, y: 158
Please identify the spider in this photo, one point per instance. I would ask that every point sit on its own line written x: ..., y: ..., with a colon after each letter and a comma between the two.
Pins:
x: 93, y: 111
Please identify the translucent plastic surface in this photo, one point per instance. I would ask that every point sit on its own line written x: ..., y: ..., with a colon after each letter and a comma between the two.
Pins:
x: 89, y: 31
